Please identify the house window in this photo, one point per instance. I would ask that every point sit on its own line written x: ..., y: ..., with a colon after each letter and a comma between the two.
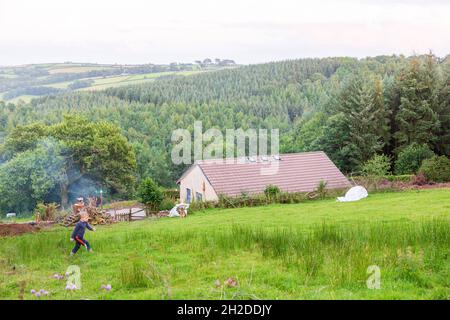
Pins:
x: 198, y: 196
x: 188, y: 195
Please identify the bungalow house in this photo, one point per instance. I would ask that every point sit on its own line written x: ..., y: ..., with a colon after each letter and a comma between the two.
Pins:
x: 205, y: 180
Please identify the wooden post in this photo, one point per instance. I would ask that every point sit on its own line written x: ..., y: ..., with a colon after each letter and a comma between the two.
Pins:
x: 129, y: 216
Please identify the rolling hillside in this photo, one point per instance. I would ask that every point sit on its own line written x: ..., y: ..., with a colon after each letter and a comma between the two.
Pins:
x: 31, y: 81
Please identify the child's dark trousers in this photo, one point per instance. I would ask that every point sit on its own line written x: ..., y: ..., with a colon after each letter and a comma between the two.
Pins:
x: 80, y: 242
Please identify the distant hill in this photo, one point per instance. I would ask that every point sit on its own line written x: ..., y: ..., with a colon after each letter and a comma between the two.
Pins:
x: 29, y: 81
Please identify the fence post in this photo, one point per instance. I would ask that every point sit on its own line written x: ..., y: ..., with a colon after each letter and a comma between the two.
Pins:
x: 129, y: 216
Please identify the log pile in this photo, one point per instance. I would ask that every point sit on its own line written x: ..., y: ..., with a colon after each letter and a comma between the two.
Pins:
x: 96, y: 216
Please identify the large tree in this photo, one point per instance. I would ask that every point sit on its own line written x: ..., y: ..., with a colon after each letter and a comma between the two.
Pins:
x: 31, y: 176
x: 443, y: 135
x: 417, y: 118
x: 360, y: 127
x: 89, y: 151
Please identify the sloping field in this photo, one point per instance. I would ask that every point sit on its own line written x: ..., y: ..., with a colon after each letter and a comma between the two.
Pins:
x: 124, y: 80
x: 313, y: 250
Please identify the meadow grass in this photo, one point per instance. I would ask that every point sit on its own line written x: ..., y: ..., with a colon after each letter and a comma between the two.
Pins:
x: 313, y: 250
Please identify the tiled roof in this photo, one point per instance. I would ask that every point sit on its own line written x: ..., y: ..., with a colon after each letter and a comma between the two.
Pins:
x: 293, y: 172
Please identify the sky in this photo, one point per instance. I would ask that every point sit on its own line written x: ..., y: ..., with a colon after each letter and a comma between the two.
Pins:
x: 248, y: 31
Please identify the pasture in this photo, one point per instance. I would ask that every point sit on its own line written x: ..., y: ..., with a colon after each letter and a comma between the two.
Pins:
x: 313, y: 250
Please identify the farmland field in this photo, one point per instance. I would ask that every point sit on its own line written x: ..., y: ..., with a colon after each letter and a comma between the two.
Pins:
x: 22, y: 82
x: 313, y: 250
x: 123, y: 80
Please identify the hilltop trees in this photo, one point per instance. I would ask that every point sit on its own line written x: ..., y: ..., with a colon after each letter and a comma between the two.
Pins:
x: 369, y: 115
x: 351, y: 109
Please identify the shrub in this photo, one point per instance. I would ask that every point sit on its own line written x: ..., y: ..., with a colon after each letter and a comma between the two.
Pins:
x: 436, y: 169
x: 322, y: 189
x: 167, y: 204
x: 202, y: 205
x: 46, y: 212
x: 173, y: 194
x: 378, y: 166
x: 150, y: 194
x: 376, y: 169
x: 419, y: 179
x: 271, y: 191
x: 410, y: 159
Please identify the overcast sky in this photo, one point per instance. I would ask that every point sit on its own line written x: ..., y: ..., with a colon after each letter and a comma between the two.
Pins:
x: 249, y: 31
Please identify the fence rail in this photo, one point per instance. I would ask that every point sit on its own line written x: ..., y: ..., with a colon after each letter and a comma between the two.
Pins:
x: 130, y: 215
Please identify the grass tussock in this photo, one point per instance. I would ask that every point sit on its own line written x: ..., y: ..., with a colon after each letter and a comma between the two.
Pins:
x: 409, y: 251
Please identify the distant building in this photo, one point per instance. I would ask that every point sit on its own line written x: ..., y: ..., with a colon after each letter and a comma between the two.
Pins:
x: 205, y: 180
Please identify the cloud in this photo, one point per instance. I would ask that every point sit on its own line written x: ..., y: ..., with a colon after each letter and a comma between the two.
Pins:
x: 138, y: 31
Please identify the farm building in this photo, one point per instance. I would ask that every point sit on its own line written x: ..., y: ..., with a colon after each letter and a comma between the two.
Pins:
x: 205, y: 180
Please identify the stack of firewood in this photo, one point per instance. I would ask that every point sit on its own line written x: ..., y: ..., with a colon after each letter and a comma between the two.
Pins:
x: 96, y: 216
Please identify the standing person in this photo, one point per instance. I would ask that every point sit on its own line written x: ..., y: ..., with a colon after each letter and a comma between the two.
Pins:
x: 79, y: 205
x: 78, y: 233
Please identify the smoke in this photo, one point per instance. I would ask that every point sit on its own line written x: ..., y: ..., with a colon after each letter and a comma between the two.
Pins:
x: 38, y: 174
x: 83, y: 187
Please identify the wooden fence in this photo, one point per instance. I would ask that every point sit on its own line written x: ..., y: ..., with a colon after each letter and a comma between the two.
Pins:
x: 130, y: 215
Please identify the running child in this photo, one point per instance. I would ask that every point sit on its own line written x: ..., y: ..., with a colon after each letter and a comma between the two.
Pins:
x: 78, y: 233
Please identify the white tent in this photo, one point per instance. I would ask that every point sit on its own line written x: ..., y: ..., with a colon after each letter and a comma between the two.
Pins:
x: 174, y: 211
x: 354, y: 194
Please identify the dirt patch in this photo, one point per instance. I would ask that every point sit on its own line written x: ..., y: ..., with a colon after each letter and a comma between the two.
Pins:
x: 410, y: 186
x: 398, y: 185
x: 434, y: 186
x: 15, y: 229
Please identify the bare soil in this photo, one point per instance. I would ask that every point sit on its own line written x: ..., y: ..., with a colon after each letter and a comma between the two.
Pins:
x: 15, y: 229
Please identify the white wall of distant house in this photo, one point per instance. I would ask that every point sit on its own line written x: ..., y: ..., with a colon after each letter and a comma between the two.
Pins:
x: 196, y: 181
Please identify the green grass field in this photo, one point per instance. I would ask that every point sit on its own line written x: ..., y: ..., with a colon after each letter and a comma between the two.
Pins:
x: 313, y: 250
x: 102, y: 83
x: 48, y: 70
x: 124, y: 80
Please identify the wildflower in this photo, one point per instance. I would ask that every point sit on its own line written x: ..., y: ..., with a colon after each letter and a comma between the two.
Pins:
x: 230, y: 282
x: 106, y: 287
x: 71, y: 287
